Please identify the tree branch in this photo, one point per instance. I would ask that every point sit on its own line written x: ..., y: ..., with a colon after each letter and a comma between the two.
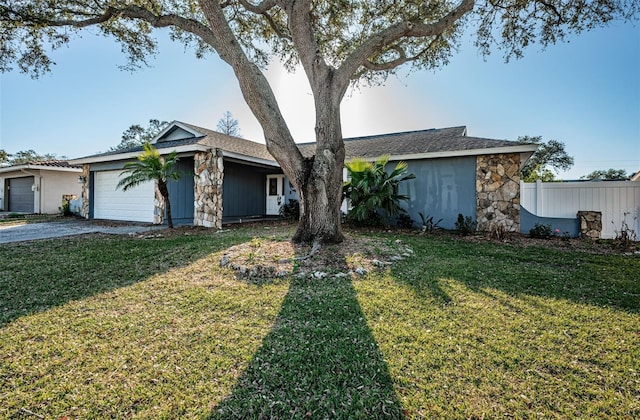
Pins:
x: 361, y: 55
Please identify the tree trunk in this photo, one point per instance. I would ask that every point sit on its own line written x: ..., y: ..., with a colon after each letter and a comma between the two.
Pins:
x: 321, y: 187
x: 164, y: 192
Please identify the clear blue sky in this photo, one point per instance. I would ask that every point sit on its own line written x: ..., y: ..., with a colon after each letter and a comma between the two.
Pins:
x: 585, y: 93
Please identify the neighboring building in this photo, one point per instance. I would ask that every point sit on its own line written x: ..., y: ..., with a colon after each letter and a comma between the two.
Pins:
x: 230, y: 178
x: 38, y: 187
x: 635, y: 177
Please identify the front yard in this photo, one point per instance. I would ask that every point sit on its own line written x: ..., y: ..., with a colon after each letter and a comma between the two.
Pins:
x: 109, y: 326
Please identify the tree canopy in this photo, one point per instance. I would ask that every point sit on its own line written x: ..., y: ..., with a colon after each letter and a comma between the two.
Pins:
x: 136, y: 135
x: 337, y: 43
x: 25, y: 156
x: 4, y: 157
x: 549, y: 155
x: 608, y: 174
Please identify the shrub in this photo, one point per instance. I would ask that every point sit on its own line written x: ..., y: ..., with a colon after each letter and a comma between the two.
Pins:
x: 428, y: 225
x: 404, y: 221
x: 626, y: 237
x: 465, y: 225
x: 373, y: 192
x: 498, y: 232
x: 65, y: 209
x: 541, y: 231
x: 290, y: 210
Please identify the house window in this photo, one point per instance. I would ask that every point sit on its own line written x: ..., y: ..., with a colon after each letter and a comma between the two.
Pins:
x: 273, y: 186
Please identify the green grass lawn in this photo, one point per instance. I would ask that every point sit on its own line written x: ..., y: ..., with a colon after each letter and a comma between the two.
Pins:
x: 121, y: 327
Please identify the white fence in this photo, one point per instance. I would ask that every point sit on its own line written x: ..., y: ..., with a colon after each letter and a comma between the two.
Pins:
x: 619, y: 201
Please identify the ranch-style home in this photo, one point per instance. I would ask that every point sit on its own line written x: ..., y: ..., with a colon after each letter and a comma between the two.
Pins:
x: 38, y: 187
x: 229, y: 179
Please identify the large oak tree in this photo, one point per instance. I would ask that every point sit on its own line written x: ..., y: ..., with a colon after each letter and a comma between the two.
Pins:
x: 337, y: 43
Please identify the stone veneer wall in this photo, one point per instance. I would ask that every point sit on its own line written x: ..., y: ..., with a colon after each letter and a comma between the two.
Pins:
x: 498, y: 192
x: 158, y: 206
x: 84, y: 211
x: 207, y: 194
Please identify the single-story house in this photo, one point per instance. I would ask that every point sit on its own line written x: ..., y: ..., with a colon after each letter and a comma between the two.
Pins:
x: 230, y: 178
x: 38, y: 187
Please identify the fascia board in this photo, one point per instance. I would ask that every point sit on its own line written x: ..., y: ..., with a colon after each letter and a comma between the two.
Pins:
x: 132, y: 155
x: 525, y: 148
x: 249, y: 158
x: 37, y: 167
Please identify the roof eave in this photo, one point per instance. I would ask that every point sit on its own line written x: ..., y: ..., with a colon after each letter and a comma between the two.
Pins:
x: 248, y: 158
x: 132, y: 155
x: 19, y: 168
x: 524, y: 148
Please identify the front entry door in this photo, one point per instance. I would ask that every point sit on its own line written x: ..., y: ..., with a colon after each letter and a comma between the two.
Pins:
x: 275, y: 194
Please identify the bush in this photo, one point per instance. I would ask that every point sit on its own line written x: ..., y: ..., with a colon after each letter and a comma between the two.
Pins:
x: 465, y: 225
x: 541, y: 231
x: 291, y: 210
x: 373, y: 193
x: 65, y: 209
x: 626, y: 238
x: 404, y: 221
x: 428, y: 225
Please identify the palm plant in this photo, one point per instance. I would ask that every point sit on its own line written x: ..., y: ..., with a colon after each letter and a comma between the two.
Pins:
x: 150, y: 166
x: 372, y: 191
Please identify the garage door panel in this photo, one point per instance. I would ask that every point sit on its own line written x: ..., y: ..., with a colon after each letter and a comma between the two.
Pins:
x: 21, y: 198
x: 135, y: 204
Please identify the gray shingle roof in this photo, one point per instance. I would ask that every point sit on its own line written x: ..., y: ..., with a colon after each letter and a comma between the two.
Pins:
x: 413, y: 142
x: 229, y: 143
x: 432, y: 141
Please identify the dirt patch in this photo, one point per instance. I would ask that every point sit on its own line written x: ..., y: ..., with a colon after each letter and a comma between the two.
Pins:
x: 263, y: 258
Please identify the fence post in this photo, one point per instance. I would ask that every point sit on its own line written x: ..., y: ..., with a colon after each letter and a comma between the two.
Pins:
x: 539, y: 199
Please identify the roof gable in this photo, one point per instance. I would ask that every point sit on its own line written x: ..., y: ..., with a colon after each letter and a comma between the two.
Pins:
x: 176, y: 130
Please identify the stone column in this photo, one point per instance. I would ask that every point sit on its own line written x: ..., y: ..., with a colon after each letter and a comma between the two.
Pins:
x: 207, y: 194
x: 158, y: 206
x: 498, y: 192
x: 590, y: 224
x: 84, y: 211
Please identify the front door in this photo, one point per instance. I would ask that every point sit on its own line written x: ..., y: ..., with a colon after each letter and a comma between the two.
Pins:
x: 275, y: 194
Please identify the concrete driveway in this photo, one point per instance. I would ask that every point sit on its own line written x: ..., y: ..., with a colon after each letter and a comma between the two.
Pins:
x: 28, y: 232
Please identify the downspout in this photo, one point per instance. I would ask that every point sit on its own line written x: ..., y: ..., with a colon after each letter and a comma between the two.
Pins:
x: 37, y: 179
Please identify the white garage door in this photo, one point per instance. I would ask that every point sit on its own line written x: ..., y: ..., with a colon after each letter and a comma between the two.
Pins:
x: 135, y: 204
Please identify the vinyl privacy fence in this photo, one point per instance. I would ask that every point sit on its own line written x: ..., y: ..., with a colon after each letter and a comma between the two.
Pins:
x: 619, y: 202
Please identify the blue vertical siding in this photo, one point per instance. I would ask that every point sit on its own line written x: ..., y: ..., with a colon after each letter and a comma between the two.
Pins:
x: 181, y: 193
x: 244, y: 190
x: 443, y: 188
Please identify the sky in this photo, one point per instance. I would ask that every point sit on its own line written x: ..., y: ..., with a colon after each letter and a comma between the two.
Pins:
x: 585, y: 93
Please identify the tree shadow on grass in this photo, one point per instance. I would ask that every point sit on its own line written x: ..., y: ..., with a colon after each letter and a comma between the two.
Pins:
x: 320, y: 360
x: 39, y: 275
x: 604, y: 280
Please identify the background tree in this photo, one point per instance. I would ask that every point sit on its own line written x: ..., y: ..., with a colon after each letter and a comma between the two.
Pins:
x: 25, y: 156
x: 4, y: 157
x: 136, y: 135
x: 150, y: 166
x: 336, y: 43
x: 373, y: 192
x: 550, y: 155
x: 229, y: 125
x: 609, y: 174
